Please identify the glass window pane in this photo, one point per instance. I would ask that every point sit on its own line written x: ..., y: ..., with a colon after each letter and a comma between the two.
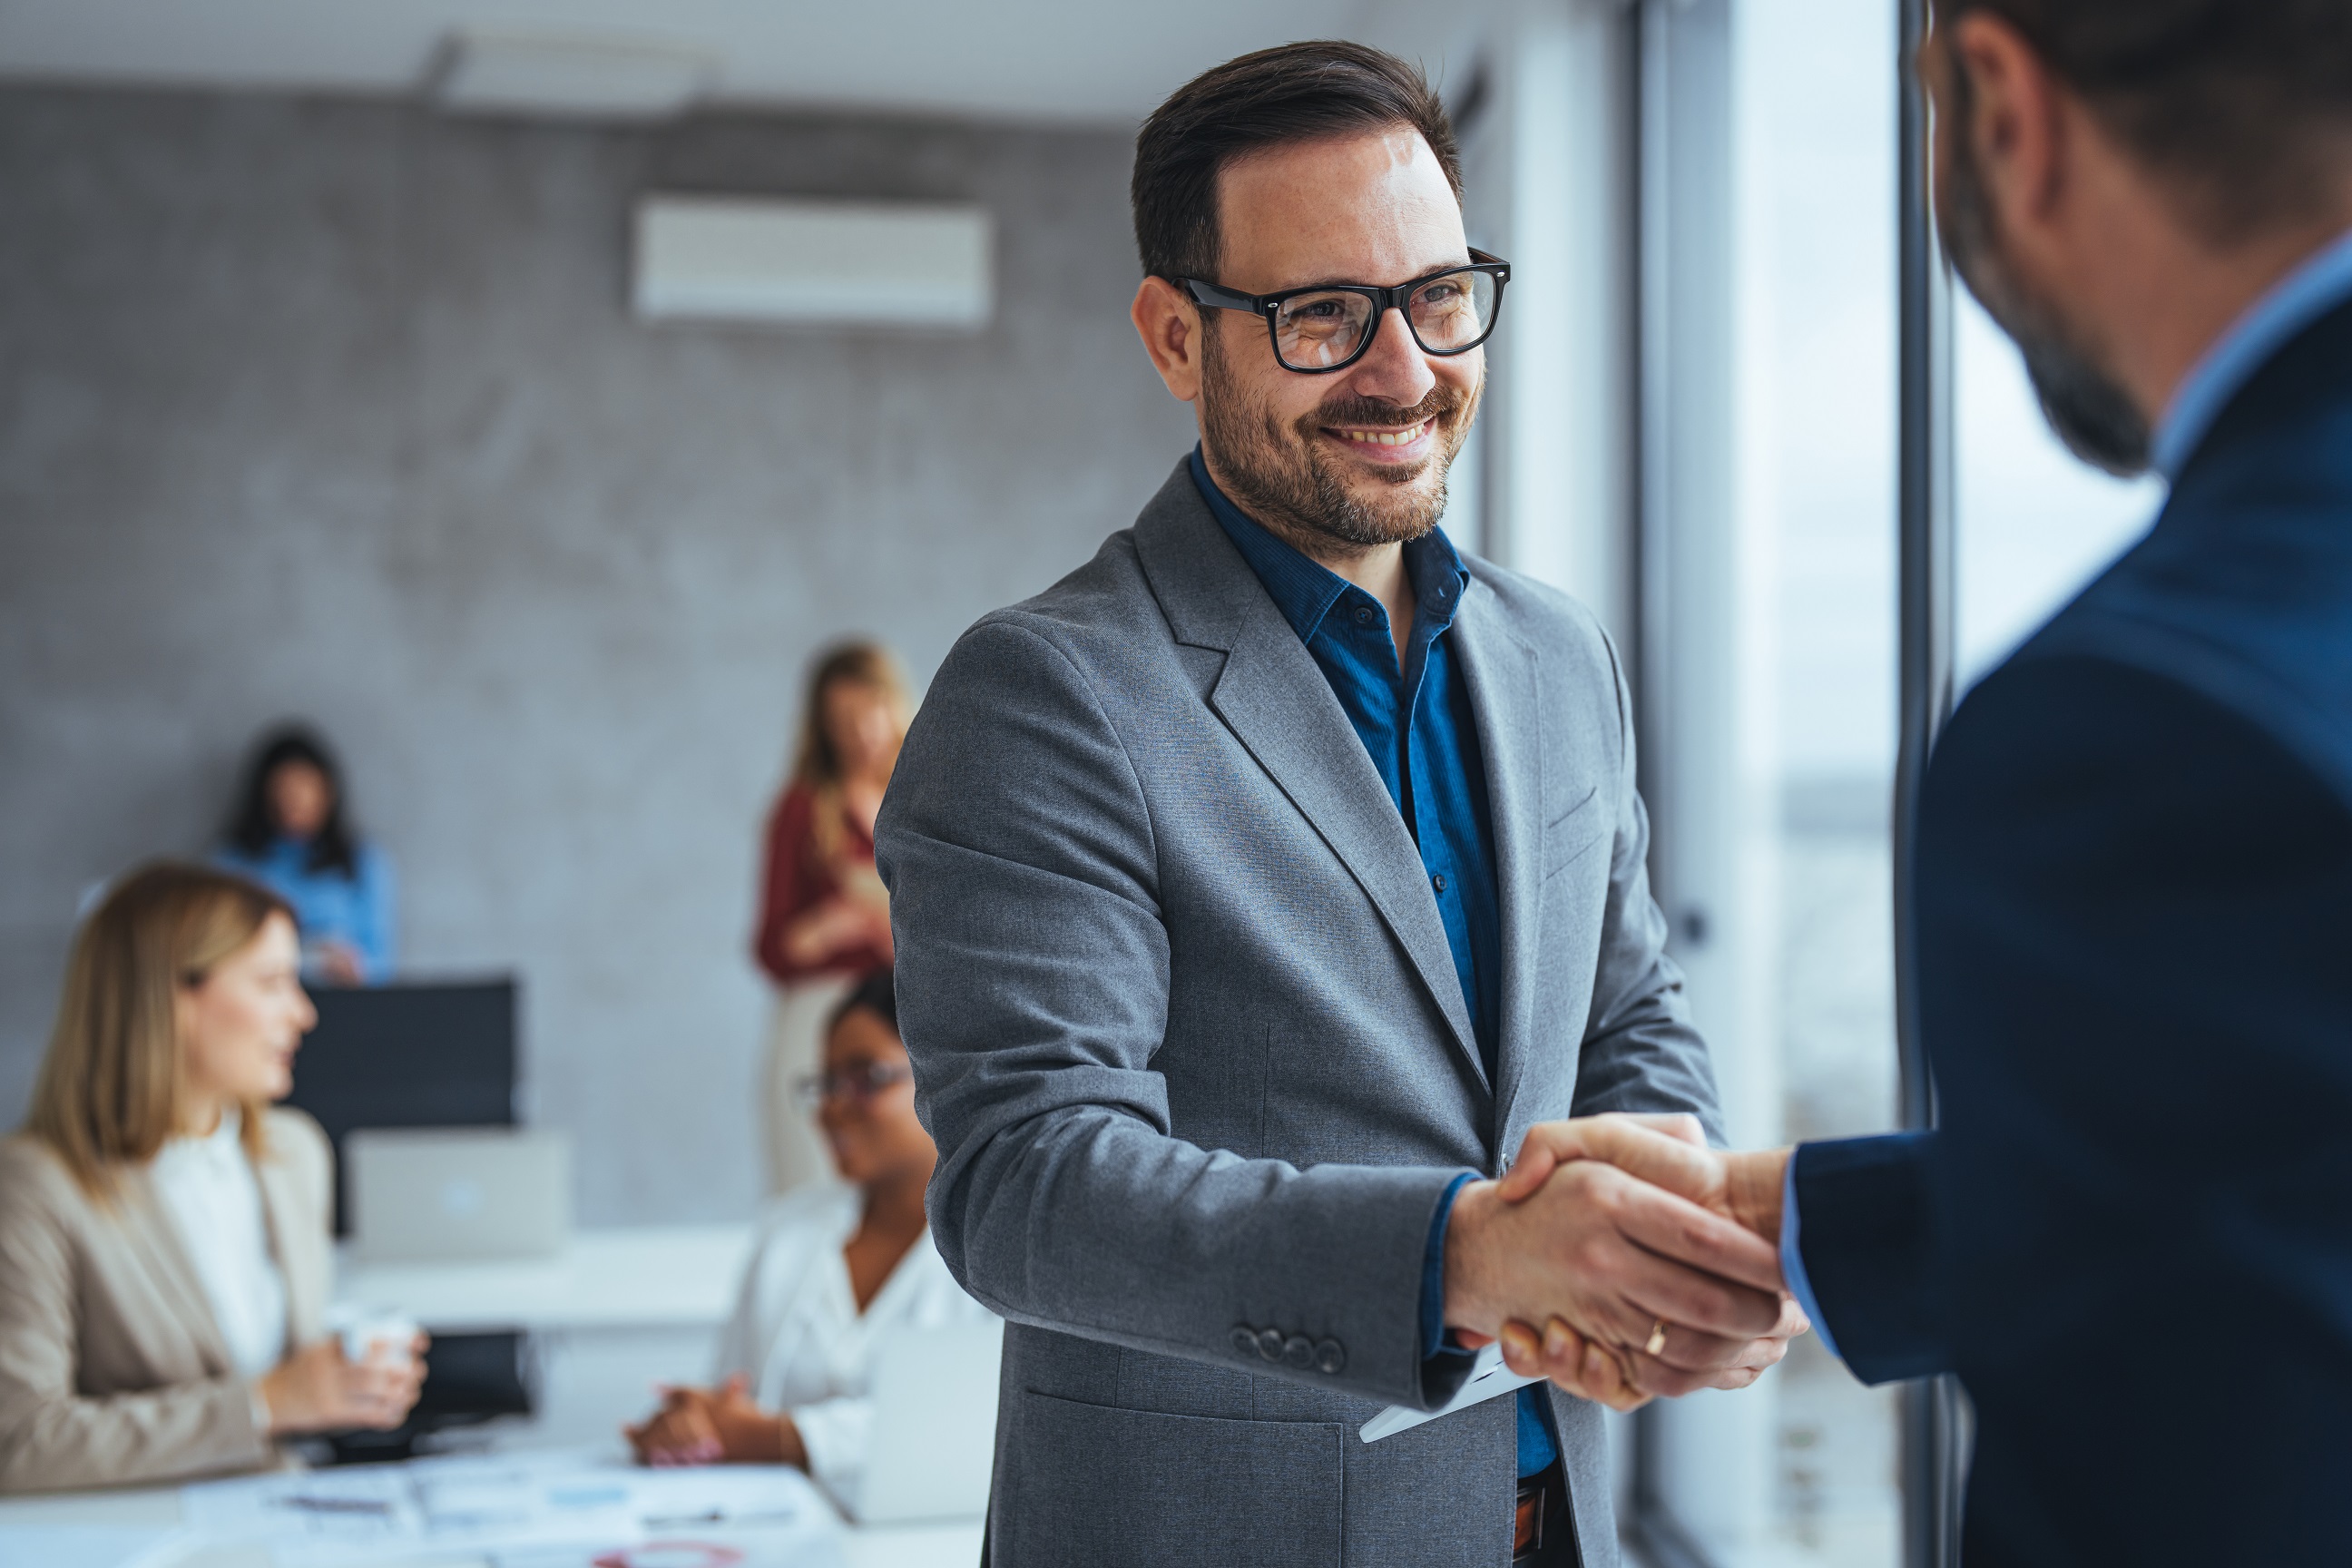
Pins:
x: 2033, y: 523
x: 1817, y: 414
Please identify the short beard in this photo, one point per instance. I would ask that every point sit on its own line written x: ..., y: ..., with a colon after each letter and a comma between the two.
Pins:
x: 2088, y: 409
x: 1280, y: 477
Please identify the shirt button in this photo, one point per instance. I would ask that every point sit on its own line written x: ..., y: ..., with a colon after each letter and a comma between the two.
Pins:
x: 1363, y: 615
x: 1438, y: 881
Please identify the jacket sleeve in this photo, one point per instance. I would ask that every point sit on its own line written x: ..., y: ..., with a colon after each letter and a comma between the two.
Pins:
x: 1641, y: 1051
x: 1033, y: 973
x: 1865, y: 1228
x: 52, y: 1437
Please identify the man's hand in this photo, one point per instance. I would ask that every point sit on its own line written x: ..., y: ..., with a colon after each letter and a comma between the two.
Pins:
x: 1612, y: 1256
x: 1669, y: 1152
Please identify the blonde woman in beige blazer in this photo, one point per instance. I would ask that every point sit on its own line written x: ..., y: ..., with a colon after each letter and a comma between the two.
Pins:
x: 164, y: 1251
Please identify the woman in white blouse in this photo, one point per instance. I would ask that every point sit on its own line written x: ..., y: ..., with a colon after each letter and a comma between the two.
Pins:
x: 163, y: 1248
x: 836, y: 1269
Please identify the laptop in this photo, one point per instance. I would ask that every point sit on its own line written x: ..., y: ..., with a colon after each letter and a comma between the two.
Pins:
x: 433, y: 1194
x: 933, y: 1442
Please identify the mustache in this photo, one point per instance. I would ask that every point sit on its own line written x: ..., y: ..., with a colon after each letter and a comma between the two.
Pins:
x: 1442, y: 403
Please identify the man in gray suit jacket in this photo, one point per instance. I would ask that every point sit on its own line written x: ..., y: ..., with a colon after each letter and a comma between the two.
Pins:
x: 1262, y: 882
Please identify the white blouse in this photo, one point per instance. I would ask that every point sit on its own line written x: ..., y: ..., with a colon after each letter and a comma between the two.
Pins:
x: 798, y: 1336
x: 208, y: 1188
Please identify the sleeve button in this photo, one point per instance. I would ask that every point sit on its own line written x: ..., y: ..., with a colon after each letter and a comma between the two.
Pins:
x: 1269, y: 1343
x: 1298, y: 1353
x: 1245, y: 1340
x: 1331, y: 1358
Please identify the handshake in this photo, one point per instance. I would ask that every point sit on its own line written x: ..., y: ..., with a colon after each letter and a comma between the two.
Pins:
x: 1624, y: 1259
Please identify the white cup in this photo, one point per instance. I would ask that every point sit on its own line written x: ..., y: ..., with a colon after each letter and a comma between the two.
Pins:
x: 369, y: 1331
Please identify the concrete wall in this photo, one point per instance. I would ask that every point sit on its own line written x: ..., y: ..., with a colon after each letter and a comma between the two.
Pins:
x: 334, y: 409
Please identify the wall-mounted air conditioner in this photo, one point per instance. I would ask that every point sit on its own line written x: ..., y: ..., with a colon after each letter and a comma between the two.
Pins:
x: 823, y: 263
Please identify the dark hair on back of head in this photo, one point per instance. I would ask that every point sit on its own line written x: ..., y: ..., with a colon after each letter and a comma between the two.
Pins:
x: 1294, y: 93
x: 2247, y: 102
x: 877, y: 993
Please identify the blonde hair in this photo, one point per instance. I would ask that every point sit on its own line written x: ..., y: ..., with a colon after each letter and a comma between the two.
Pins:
x: 112, y: 1086
x: 816, y: 764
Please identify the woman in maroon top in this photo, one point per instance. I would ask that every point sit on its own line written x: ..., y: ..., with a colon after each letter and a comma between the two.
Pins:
x: 824, y: 919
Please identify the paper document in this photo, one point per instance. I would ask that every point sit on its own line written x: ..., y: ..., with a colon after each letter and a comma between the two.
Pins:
x: 550, y: 1509
x: 1488, y: 1377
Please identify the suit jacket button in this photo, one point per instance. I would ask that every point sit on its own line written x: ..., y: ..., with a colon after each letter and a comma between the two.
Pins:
x: 1298, y: 1353
x: 1269, y: 1343
x: 1245, y: 1340
x: 1331, y: 1358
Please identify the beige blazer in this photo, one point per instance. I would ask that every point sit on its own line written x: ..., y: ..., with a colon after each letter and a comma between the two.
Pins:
x: 112, y: 1370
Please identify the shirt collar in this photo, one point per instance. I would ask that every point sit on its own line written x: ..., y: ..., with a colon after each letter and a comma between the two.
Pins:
x: 2317, y: 287
x: 1304, y: 590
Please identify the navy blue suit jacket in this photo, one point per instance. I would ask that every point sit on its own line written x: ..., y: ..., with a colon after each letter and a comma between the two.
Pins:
x: 2132, y: 1234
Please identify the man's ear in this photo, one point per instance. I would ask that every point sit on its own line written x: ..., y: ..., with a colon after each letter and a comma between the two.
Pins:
x: 2017, y: 121
x: 1169, y: 324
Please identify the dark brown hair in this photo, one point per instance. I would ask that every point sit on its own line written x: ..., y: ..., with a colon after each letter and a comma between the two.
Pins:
x: 1292, y: 93
x: 2247, y: 102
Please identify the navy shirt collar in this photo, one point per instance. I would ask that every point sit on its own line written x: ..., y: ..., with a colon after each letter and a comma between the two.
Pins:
x: 1304, y: 590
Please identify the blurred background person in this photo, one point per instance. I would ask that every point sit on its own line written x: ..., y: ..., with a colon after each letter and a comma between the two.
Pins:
x: 293, y: 833
x: 824, y: 917
x: 836, y: 1269
x: 164, y: 1233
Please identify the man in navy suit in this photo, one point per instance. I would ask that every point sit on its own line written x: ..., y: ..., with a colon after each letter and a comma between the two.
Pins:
x: 2131, y: 1235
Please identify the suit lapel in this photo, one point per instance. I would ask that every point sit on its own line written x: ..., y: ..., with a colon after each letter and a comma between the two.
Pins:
x: 1505, y: 707
x: 1273, y: 696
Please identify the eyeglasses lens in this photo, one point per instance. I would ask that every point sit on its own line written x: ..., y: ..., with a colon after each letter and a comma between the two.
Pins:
x: 1453, y: 311
x: 1316, y: 331
x: 856, y: 1083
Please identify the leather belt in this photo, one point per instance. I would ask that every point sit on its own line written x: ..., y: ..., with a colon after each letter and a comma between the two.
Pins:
x: 1542, y: 1531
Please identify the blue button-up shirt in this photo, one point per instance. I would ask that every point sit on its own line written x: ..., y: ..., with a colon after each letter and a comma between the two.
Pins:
x: 1415, y: 723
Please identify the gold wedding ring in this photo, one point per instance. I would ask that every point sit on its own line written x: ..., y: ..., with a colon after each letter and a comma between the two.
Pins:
x: 1657, y: 1339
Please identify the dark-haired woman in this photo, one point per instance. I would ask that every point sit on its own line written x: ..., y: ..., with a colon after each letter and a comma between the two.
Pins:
x: 839, y: 1270
x: 292, y: 834
x: 824, y: 917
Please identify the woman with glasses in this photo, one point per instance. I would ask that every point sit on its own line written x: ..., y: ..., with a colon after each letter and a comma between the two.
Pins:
x: 838, y: 1269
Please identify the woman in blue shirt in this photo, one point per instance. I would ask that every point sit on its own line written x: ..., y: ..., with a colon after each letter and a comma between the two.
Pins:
x: 291, y: 834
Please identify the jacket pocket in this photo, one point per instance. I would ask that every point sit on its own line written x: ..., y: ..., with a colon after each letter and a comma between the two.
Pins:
x: 1567, y: 836
x: 1092, y: 1485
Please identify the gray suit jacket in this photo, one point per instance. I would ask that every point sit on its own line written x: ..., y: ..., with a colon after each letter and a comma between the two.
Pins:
x: 1186, y: 1028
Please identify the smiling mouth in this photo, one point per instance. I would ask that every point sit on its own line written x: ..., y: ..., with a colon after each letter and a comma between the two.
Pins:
x: 1404, y: 437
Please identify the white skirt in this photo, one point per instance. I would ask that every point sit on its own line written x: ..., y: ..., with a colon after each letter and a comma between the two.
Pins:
x: 795, y: 1151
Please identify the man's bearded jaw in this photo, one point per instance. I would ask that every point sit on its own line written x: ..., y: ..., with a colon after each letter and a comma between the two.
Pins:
x: 1281, y: 476
x: 2086, y: 406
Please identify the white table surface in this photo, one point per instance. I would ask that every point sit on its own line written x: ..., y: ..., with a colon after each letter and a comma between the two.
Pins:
x: 683, y: 1275
x: 953, y: 1544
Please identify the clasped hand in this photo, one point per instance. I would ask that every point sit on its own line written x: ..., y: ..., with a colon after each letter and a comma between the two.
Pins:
x: 1624, y: 1259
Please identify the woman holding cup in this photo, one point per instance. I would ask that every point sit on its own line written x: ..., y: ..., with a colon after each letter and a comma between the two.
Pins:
x: 164, y: 1233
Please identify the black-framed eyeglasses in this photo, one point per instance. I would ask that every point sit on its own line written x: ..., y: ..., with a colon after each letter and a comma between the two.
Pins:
x: 860, y: 1083
x: 1320, y: 329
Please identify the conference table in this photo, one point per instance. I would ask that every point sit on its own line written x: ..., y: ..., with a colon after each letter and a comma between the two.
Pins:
x: 614, y: 1312
x: 34, y: 1528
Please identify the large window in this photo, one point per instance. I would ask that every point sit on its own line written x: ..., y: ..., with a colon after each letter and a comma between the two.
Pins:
x: 1815, y: 177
